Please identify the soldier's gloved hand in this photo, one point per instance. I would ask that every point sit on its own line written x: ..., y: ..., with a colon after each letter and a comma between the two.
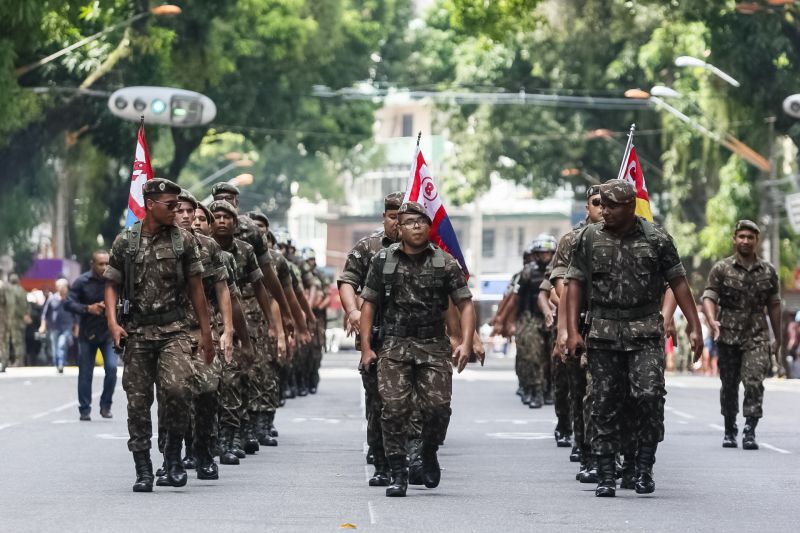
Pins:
x: 461, y: 356
x: 207, y: 348
x: 226, y: 345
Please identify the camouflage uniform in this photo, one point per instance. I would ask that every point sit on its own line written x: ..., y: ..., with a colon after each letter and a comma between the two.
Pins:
x: 741, y: 295
x: 416, y: 354
x: 625, y: 339
x: 287, y: 280
x: 4, y: 314
x: 534, y: 339
x: 159, y: 350
x: 559, y: 375
x: 17, y: 306
x: 355, y: 273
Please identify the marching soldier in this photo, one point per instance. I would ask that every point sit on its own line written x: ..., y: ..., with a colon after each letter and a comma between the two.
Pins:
x: 154, y: 265
x: 740, y: 288
x: 620, y: 268
x: 412, y: 283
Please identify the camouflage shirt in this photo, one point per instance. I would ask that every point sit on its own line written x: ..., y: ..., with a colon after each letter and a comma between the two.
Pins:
x: 247, y: 270
x: 741, y: 295
x: 629, y: 275
x: 157, y: 287
x: 248, y: 232
x: 527, y: 288
x: 214, y: 270
x: 230, y: 269
x: 282, y: 269
x: 358, y: 260
x: 417, y: 297
x: 563, y: 256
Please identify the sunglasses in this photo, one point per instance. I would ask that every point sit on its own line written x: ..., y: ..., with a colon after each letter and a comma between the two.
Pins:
x: 171, y: 206
x: 414, y: 223
x: 596, y: 202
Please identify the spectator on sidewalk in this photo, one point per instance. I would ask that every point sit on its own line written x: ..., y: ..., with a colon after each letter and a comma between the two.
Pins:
x: 58, y: 322
x: 85, y: 299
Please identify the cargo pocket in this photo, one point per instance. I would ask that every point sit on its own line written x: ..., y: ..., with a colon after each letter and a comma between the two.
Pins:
x: 604, y: 330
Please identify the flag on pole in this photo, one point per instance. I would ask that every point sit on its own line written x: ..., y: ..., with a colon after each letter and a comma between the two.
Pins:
x: 631, y: 171
x: 142, y: 172
x: 422, y: 189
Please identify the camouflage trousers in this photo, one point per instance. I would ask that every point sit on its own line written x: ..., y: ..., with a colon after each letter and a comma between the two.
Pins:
x: 231, y: 393
x: 261, y: 380
x: 4, y: 354
x: 560, y: 380
x: 627, y: 388
x: 534, y: 350
x: 165, y: 363
x: 748, y: 364
x: 409, y: 366
x: 576, y: 382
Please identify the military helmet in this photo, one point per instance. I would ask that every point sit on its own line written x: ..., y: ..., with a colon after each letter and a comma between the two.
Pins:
x: 543, y: 243
x: 308, y: 253
x: 282, y: 237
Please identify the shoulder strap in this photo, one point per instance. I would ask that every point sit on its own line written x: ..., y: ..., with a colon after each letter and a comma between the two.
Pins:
x: 389, y: 255
x: 650, y: 232
x: 587, y: 236
x: 177, y: 241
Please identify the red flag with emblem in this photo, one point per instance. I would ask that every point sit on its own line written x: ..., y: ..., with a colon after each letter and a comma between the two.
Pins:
x: 142, y: 172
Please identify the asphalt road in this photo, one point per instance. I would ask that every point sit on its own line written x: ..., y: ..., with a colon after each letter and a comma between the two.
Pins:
x: 502, y: 471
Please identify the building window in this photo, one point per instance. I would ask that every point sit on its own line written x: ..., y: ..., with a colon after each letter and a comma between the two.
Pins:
x: 520, y: 240
x: 487, y: 243
x: 408, y: 125
x: 508, y: 244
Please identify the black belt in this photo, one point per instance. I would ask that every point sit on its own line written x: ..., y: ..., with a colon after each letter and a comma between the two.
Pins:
x: 613, y: 313
x: 159, y: 319
x: 420, y: 332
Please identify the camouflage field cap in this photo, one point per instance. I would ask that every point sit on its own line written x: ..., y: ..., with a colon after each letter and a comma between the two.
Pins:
x: 207, y: 211
x: 160, y: 186
x: 747, y: 224
x: 413, y: 208
x: 258, y: 215
x: 618, y: 191
x: 592, y: 191
x: 224, y: 205
x: 393, y: 201
x: 186, y: 196
x: 224, y: 186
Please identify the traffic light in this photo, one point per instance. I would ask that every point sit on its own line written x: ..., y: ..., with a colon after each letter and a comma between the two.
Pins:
x: 162, y: 105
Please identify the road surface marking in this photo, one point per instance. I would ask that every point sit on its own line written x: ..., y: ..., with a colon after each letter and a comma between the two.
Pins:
x: 4, y: 426
x: 372, y: 519
x: 679, y: 413
x: 775, y: 448
x: 60, y: 408
x: 366, y: 473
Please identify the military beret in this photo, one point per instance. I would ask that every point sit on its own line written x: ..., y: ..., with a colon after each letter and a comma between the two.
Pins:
x: 618, y: 191
x: 224, y: 205
x: 747, y: 224
x: 207, y: 211
x: 592, y: 191
x: 393, y: 200
x: 186, y: 196
x: 413, y: 208
x: 224, y: 186
x: 160, y: 186
x: 258, y: 215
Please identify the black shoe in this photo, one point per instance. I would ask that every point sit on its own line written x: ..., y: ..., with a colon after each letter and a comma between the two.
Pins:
x: 273, y: 432
x: 628, y: 473
x: 645, y: 458
x: 399, y: 484
x: 144, y: 472
x: 520, y: 391
x: 249, y: 440
x: 189, y: 462
x: 105, y: 412
x: 86, y: 418
x: 312, y: 389
x: 575, y: 454
x: 586, y: 462
x: 262, y: 430
x: 163, y: 470
x: 176, y: 475
x: 370, y: 456
x: 749, y: 434
x: 537, y: 400
x: 607, y: 483
x: 431, y: 471
x: 729, y: 440
x: 414, y: 448
x: 527, y: 397
x: 206, y: 467
x: 381, y: 477
x: 302, y: 391
x: 60, y: 369
x: 208, y: 472
x: 562, y: 438
x: 227, y: 457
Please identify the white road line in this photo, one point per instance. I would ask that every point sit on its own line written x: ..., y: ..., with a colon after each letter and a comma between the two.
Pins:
x: 60, y: 408
x: 774, y: 448
x: 717, y: 427
x: 372, y: 519
x: 679, y: 413
x: 4, y: 426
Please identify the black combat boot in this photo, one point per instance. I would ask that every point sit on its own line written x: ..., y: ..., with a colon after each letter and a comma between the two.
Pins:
x: 226, y: 456
x: 249, y: 440
x: 575, y: 454
x: 645, y: 458
x: 206, y: 467
x: 606, y: 470
x: 176, y: 475
x: 236, y: 442
x: 562, y: 438
x: 586, y: 463
x: 381, y: 477
x: 431, y: 472
x: 527, y: 396
x: 144, y: 472
x: 302, y: 385
x: 189, y: 462
x: 731, y: 431
x: 262, y: 430
x: 161, y: 475
x: 537, y: 400
x: 370, y: 456
x: 628, y: 472
x: 273, y: 432
x: 520, y: 391
x: 414, y: 449
x: 397, y: 463
x: 313, y: 381
x: 749, y: 434
x: 162, y: 471
x: 589, y: 474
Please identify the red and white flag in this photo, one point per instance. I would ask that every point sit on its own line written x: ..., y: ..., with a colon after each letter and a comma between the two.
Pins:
x: 631, y: 171
x: 142, y: 171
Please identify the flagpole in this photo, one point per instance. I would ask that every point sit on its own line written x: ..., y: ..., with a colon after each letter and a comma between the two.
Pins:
x: 627, y: 153
x: 419, y: 136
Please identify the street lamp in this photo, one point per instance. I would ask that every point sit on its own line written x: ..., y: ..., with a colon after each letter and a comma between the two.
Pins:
x: 240, y: 163
x: 158, y: 11
x: 241, y: 180
x: 689, y: 61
